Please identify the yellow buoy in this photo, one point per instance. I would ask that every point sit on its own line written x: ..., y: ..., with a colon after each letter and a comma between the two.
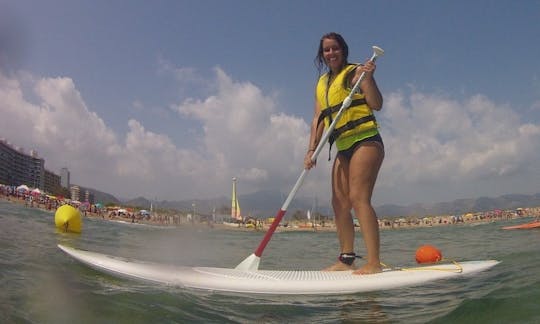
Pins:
x: 68, y: 219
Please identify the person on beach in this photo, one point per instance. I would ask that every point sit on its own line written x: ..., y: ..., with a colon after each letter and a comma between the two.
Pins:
x: 360, y: 149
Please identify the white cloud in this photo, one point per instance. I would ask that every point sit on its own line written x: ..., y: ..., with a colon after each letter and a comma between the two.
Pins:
x: 245, y: 135
x: 187, y: 79
x: 454, y: 145
x: 241, y: 135
x: 536, y: 106
x: 57, y: 124
x: 438, y: 148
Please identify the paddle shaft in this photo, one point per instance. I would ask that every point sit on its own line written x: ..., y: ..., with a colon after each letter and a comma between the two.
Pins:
x: 346, y: 103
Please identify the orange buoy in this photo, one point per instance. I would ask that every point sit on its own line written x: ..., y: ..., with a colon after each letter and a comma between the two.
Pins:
x: 428, y: 254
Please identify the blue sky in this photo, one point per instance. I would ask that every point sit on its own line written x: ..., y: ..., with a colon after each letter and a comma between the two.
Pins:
x: 171, y: 99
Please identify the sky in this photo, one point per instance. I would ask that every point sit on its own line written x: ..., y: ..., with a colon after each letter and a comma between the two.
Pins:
x: 172, y: 99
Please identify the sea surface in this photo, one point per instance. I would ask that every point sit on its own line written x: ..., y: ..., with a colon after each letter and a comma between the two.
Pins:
x: 41, y: 284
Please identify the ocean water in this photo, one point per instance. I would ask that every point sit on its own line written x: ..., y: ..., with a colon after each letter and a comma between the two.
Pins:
x: 40, y: 284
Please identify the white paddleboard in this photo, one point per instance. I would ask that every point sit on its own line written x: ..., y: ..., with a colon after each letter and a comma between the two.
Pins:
x: 292, y: 282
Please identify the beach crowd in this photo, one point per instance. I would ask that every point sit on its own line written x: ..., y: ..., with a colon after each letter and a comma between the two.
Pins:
x: 36, y: 199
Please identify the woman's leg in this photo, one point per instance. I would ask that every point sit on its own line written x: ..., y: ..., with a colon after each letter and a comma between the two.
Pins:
x: 342, y: 210
x: 363, y: 170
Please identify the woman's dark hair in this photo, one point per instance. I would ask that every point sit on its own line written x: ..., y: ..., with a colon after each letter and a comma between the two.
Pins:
x: 319, y: 59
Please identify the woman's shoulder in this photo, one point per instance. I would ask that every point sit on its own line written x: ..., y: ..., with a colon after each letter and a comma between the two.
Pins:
x: 350, y: 68
x: 323, y: 77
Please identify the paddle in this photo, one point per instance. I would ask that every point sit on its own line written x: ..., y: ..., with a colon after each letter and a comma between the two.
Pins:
x: 252, y: 262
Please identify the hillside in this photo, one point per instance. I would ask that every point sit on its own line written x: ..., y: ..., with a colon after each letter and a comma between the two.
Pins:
x: 461, y: 206
x: 267, y: 203
x: 100, y: 196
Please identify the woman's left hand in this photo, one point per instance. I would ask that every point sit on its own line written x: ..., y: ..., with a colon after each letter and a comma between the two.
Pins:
x: 368, y: 67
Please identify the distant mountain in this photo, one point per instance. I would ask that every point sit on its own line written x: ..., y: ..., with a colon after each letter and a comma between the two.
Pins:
x: 259, y: 204
x: 266, y: 203
x: 461, y: 206
x: 99, y: 196
x: 140, y: 202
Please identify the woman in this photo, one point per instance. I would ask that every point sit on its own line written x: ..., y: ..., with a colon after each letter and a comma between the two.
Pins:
x: 360, y: 148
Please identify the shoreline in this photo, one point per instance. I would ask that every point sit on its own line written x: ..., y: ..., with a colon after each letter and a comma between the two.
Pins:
x: 179, y: 220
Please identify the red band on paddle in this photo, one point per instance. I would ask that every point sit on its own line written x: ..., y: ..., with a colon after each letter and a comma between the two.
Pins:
x: 269, y: 233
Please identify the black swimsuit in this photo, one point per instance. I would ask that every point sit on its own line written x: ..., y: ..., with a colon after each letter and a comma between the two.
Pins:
x: 348, y: 153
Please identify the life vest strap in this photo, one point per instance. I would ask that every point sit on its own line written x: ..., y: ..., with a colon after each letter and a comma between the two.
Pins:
x: 348, y: 126
x: 334, y: 109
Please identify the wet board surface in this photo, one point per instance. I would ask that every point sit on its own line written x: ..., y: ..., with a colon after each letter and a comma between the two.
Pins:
x: 289, y: 282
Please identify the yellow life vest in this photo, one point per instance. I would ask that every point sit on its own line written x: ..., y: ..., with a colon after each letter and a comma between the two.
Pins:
x: 356, y: 120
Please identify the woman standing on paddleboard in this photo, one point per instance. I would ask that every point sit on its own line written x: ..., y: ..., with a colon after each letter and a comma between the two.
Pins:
x: 359, y: 145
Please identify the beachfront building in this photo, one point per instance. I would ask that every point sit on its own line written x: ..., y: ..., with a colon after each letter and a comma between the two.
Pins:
x: 75, y: 193
x: 17, y: 167
x: 88, y: 196
x: 51, y: 182
x: 64, y: 178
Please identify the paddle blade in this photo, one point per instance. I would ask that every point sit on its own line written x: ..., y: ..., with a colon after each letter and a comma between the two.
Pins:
x: 378, y: 51
x: 251, y: 263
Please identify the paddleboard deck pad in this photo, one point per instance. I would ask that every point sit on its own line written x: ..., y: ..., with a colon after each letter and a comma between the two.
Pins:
x: 294, y: 282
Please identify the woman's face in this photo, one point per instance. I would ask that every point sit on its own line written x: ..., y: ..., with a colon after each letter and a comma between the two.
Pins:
x: 333, y: 54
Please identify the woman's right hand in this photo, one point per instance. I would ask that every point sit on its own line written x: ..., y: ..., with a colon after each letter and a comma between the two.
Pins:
x: 308, y: 163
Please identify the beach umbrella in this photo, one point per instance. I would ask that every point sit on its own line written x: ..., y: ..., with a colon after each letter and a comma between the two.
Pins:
x: 22, y: 188
x: 36, y: 192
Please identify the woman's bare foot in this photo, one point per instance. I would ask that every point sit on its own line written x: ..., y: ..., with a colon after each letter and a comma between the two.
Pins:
x: 368, y: 269
x: 339, y: 266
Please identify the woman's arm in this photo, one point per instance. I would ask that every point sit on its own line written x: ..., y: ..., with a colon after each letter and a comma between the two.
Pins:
x: 314, y: 137
x: 368, y: 85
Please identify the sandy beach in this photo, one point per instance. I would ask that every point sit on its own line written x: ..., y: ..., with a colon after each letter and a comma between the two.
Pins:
x: 179, y: 219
